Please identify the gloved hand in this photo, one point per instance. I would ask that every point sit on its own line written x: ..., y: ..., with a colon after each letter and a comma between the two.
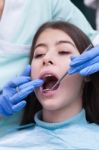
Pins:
x: 87, y: 63
x: 11, y: 99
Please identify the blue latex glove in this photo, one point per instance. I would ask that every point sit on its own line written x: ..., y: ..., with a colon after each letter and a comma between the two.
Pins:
x: 11, y: 99
x: 87, y: 63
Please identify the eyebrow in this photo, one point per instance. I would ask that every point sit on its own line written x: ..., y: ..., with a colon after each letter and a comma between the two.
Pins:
x: 57, y: 43
x: 40, y: 45
x: 66, y: 42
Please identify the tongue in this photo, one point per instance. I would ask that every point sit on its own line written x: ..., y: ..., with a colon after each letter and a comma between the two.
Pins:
x: 49, y: 85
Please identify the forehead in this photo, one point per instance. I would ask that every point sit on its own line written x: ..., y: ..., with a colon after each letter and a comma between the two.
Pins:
x: 53, y: 35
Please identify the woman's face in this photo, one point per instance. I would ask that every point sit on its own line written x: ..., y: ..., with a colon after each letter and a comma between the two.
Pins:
x: 51, y: 60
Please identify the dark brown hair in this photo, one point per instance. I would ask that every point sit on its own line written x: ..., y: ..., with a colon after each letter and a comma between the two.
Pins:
x: 91, y: 88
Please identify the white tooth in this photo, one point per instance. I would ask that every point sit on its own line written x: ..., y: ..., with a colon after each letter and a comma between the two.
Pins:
x: 48, y: 75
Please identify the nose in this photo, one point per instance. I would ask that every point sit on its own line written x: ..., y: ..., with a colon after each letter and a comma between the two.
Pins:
x: 47, y: 60
x: 47, y: 63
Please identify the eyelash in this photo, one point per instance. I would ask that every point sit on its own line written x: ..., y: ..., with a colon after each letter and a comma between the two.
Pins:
x: 61, y: 53
x: 38, y: 55
x: 64, y: 52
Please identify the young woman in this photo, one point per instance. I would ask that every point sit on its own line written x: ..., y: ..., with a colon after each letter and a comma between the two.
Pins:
x: 19, y: 20
x: 66, y: 117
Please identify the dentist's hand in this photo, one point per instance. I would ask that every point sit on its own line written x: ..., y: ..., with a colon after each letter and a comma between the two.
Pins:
x: 87, y: 63
x: 11, y: 99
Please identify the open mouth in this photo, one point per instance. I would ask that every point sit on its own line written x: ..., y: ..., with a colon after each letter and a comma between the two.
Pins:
x: 50, y: 81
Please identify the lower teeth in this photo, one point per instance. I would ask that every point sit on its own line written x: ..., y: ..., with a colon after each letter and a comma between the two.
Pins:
x: 46, y: 90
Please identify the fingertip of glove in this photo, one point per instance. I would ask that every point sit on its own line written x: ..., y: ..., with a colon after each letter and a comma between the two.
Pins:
x: 83, y: 73
x: 38, y: 81
x: 73, y: 57
x: 28, y: 66
x: 27, y: 70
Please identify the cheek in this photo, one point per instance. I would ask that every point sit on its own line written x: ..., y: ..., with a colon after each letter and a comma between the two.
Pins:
x: 63, y: 66
x: 72, y: 86
x: 34, y: 70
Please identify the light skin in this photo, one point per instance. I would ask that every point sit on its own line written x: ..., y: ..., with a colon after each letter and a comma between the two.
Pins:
x: 1, y: 7
x: 52, y: 54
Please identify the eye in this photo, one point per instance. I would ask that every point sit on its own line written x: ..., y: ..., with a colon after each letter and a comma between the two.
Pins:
x: 38, y: 55
x: 64, y: 52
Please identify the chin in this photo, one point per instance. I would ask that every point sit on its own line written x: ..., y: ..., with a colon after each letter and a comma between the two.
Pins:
x: 52, y: 106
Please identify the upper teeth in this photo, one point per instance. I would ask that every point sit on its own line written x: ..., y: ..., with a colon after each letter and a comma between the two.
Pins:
x: 47, y: 75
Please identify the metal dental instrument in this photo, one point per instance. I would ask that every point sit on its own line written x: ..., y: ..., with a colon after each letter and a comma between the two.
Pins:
x: 66, y: 73
x: 53, y: 87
